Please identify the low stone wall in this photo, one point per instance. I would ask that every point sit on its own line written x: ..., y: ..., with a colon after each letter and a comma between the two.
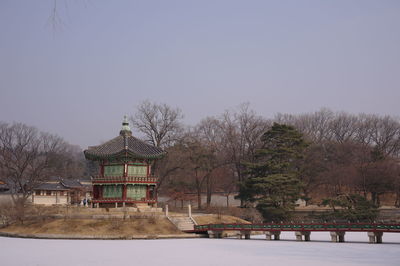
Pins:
x: 99, y: 237
x: 111, y: 215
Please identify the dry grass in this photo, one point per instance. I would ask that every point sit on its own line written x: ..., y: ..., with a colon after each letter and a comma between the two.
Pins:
x: 117, y: 227
x: 216, y: 218
x: 42, y: 220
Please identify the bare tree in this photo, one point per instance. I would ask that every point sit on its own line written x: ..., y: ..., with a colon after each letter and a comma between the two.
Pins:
x: 71, y: 163
x: 396, y: 184
x: 242, y: 130
x: 199, y: 165
x: 343, y: 127
x: 160, y: 123
x: 312, y: 168
x: 199, y: 162
x: 161, y: 126
x: 385, y: 134
x: 209, y: 134
x: 27, y: 158
x: 169, y: 165
x: 315, y: 126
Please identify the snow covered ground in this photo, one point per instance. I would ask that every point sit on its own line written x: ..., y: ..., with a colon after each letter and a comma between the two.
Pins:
x: 177, y: 252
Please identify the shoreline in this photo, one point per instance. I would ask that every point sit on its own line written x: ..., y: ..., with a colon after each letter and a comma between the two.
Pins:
x: 100, y: 237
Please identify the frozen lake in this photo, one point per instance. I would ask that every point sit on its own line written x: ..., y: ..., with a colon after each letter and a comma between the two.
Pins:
x: 177, y: 252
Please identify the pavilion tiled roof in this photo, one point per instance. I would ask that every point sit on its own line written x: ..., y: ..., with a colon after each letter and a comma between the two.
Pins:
x: 125, y: 145
x: 121, y: 145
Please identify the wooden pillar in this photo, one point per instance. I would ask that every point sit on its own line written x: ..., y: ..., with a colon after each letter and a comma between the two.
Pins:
x: 125, y: 170
x: 102, y: 170
x: 98, y: 192
x: 124, y: 192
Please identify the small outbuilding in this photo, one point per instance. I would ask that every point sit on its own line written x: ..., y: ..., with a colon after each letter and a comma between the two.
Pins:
x: 59, y: 191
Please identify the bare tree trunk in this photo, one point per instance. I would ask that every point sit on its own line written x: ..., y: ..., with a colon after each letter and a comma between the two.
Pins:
x: 199, y: 198
x: 374, y: 197
x: 209, y: 190
x: 397, y: 201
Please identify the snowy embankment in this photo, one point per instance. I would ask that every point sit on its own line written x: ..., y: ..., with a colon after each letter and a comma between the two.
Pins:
x: 177, y: 252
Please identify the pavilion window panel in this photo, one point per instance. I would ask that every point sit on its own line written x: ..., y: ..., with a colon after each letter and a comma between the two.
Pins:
x: 112, y: 191
x: 136, y: 192
x: 113, y: 170
x: 135, y: 170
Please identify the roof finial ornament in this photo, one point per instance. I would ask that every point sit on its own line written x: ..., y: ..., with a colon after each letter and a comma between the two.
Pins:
x: 125, y: 130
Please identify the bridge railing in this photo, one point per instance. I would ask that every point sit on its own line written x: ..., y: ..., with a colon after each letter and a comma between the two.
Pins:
x: 368, y: 227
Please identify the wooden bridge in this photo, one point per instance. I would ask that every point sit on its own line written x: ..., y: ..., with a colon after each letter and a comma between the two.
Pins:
x: 302, y: 230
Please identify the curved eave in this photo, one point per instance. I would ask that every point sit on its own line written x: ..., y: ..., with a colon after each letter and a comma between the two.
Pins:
x: 122, y: 154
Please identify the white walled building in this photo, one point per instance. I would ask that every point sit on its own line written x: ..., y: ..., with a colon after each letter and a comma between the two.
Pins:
x: 58, y: 191
x: 50, y: 194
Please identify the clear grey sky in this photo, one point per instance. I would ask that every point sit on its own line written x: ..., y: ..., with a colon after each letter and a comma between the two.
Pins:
x: 202, y: 56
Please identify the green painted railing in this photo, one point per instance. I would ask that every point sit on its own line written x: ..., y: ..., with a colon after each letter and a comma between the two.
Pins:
x: 384, y: 227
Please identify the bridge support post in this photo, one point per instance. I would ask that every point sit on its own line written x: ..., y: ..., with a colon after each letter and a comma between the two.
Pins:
x: 300, y: 234
x: 337, y: 236
x: 214, y: 234
x: 269, y: 234
x: 375, y: 237
x: 277, y: 235
x: 246, y: 234
x: 307, y: 236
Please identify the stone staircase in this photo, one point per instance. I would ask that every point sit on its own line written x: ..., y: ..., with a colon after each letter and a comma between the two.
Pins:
x: 182, y: 222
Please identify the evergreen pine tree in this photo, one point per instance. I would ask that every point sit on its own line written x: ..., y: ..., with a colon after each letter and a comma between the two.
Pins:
x: 273, y: 183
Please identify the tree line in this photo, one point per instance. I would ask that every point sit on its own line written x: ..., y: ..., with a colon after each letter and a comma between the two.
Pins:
x: 345, y: 153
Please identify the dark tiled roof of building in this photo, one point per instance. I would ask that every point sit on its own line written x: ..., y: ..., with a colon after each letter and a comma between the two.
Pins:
x: 51, y: 186
x: 70, y: 183
x: 124, y: 145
